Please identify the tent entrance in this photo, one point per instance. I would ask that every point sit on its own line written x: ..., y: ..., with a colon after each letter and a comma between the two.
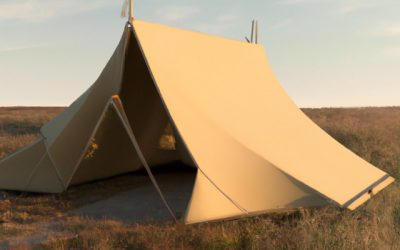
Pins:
x: 162, y: 191
x: 119, y: 108
x: 132, y: 138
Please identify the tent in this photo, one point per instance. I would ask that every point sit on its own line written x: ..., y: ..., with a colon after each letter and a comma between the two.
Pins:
x: 253, y: 151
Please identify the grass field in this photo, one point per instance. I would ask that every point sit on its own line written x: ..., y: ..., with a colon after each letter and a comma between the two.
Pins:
x: 29, y: 221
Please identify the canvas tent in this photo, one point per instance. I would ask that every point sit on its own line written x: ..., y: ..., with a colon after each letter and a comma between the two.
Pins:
x: 253, y: 150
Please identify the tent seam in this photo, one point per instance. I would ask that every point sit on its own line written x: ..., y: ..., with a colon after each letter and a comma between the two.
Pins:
x: 59, y: 177
x: 370, y: 187
x: 35, y: 168
x: 223, y: 193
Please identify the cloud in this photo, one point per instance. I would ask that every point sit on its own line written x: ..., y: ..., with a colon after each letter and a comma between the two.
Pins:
x: 280, y: 24
x: 229, y: 17
x: 176, y: 13
x: 21, y: 47
x: 39, y: 10
x: 388, y: 29
x: 219, y: 24
x: 391, y: 30
x: 356, y: 5
x: 392, y: 51
x: 341, y: 6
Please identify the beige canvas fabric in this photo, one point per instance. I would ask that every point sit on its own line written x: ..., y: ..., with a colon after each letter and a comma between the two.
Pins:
x: 118, y: 152
x: 53, y: 128
x: 46, y: 172
x: 68, y: 148
x: 223, y: 96
x: 17, y: 169
x: 255, y: 151
x: 208, y: 203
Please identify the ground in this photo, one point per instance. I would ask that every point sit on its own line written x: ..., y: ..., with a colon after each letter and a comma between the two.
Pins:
x: 34, y: 221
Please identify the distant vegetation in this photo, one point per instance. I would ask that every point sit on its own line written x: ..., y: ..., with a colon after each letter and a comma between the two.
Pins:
x: 20, y: 126
x: 41, y: 221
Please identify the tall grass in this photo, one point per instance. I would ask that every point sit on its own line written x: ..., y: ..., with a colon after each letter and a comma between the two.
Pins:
x: 372, y: 133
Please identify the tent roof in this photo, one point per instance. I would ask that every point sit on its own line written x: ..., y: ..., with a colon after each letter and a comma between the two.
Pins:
x: 223, y: 96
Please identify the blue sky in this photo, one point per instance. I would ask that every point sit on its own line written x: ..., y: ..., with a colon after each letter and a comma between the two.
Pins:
x: 324, y: 52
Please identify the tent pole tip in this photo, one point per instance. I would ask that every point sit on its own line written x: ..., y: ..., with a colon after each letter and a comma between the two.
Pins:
x: 131, y: 17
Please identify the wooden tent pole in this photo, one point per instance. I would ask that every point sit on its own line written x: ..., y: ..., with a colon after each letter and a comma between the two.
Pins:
x: 131, y: 18
x: 119, y: 108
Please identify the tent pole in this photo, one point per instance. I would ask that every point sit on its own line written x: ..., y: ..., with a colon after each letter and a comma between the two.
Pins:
x: 252, y: 32
x: 119, y: 108
x: 131, y: 18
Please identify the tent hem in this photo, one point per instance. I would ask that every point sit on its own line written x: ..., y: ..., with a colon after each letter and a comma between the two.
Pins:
x: 358, y: 199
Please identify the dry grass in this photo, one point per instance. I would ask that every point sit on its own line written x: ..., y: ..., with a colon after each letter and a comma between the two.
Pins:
x: 372, y: 133
x: 20, y: 125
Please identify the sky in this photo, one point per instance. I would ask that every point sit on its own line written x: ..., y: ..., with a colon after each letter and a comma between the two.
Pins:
x: 325, y: 53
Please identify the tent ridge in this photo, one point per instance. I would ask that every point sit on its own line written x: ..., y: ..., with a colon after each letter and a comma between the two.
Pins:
x: 199, y: 33
x: 123, y: 63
